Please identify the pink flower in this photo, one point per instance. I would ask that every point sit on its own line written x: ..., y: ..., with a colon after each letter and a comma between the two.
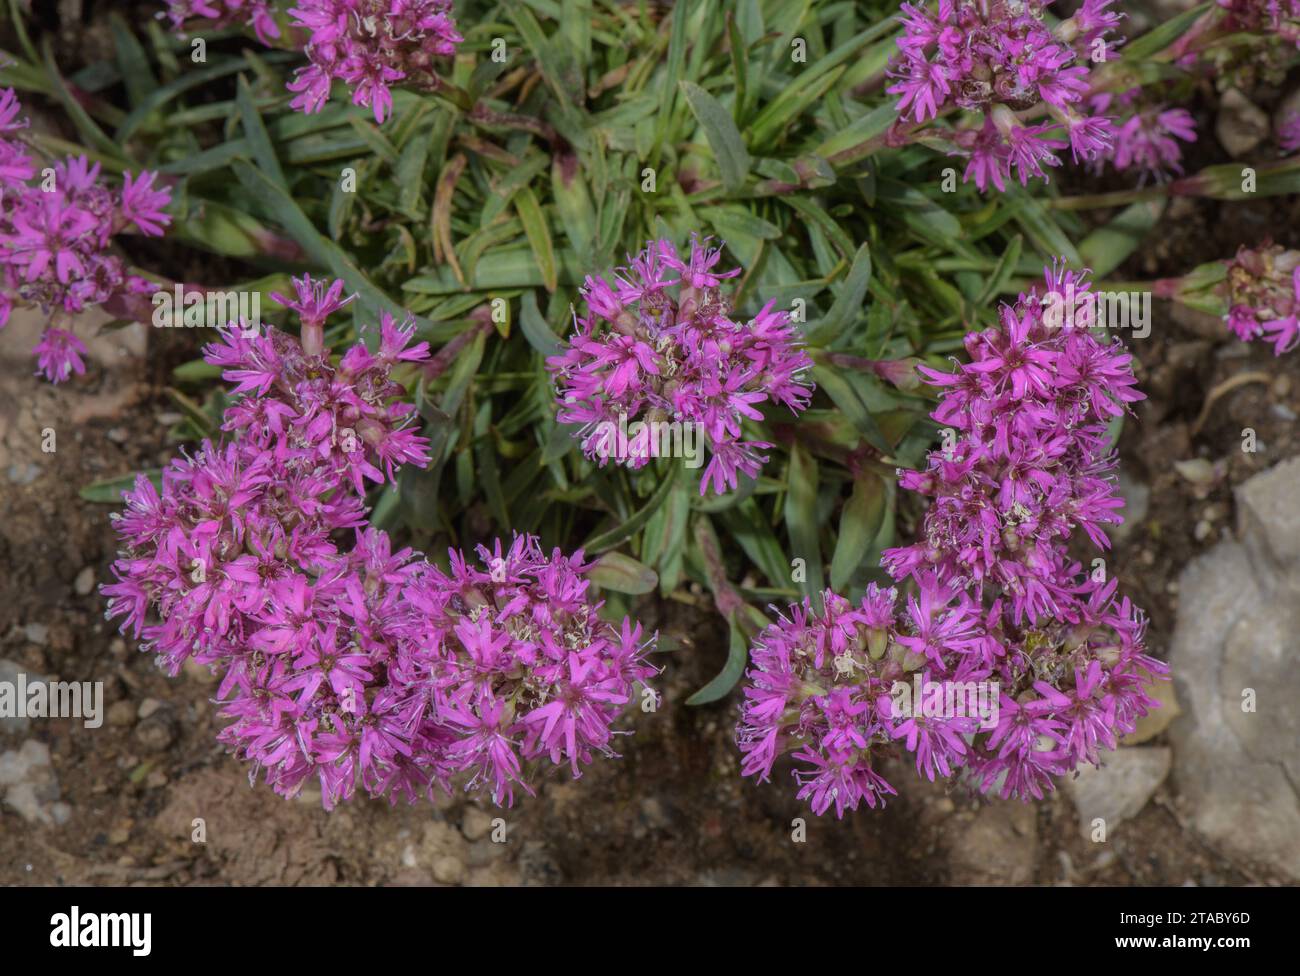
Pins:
x: 223, y: 13
x: 143, y: 205
x: 370, y: 45
x: 1262, y: 290
x: 58, y: 355
x: 644, y: 354
x: 1147, y: 135
x: 55, y: 241
x: 998, y: 60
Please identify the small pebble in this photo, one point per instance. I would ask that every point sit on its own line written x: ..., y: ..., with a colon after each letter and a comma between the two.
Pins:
x: 85, y: 581
x: 475, y: 824
x: 121, y: 714
x: 449, y: 870
x: 156, y: 734
x: 148, y: 707
x: 23, y: 474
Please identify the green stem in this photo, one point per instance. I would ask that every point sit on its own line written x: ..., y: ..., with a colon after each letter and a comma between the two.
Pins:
x: 1116, y: 198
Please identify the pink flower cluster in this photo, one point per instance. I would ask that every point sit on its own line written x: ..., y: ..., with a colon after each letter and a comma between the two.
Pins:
x: 999, y: 58
x: 56, y: 229
x: 357, y: 665
x: 370, y: 45
x: 1244, y: 44
x: 1024, y: 665
x: 670, y: 353
x: 1262, y: 289
x: 1146, y: 135
x: 257, y: 14
x: 1273, y: 18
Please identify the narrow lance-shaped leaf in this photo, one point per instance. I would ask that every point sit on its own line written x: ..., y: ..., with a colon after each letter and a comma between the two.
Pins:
x: 801, y: 521
x: 622, y: 574
x: 259, y: 142
x: 720, y: 129
x: 1002, y: 272
x: 847, y: 304
x: 631, y: 526
x: 737, y: 655
x: 1107, y: 247
x: 859, y: 523
x: 538, y: 234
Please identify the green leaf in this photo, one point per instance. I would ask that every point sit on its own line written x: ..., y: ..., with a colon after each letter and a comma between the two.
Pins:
x: 218, y: 157
x: 734, y: 220
x: 739, y: 65
x: 538, y: 234
x: 222, y: 230
x: 20, y: 29
x: 672, y: 73
x: 1002, y: 272
x: 737, y: 656
x: 197, y: 371
x: 842, y: 394
x: 664, y: 542
x: 827, y: 224
x: 1037, y: 223
x: 555, y: 61
x: 1107, y: 247
x: 255, y: 134
x: 859, y: 523
x: 109, y: 490
x: 1155, y: 41
x: 801, y: 519
x: 81, y: 119
x: 622, y: 574
x: 410, y: 171
x: 748, y: 527
x: 787, y: 105
x: 535, y: 328
x: 720, y: 129
x: 375, y: 140
x: 631, y: 526
x: 847, y: 304
x: 860, y: 139
x: 189, y: 80
x: 132, y: 62
x: 324, y: 252
x: 573, y: 203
